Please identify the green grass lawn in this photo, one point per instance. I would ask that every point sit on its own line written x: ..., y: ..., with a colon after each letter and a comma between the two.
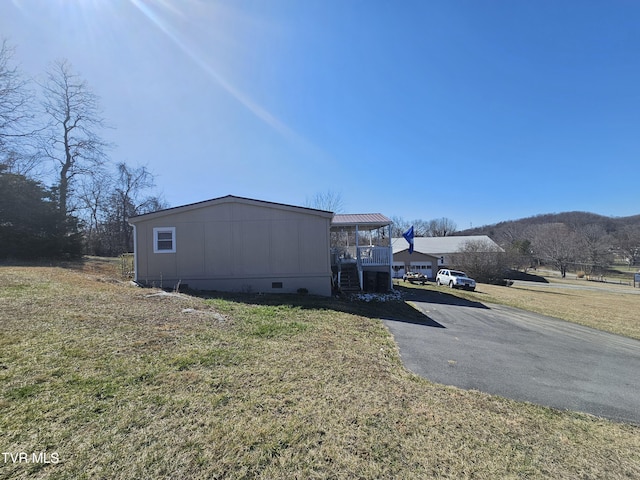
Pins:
x: 120, y: 382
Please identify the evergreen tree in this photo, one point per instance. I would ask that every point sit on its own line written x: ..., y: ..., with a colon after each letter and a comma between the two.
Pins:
x: 30, y: 223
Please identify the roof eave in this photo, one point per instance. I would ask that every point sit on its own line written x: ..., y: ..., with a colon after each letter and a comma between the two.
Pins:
x: 226, y: 199
x: 360, y: 224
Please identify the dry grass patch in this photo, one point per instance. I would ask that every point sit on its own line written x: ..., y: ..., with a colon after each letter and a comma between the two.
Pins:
x: 609, y: 307
x: 125, y: 385
x: 602, y: 308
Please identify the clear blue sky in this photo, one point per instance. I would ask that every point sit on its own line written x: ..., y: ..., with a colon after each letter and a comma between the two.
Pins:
x: 479, y: 111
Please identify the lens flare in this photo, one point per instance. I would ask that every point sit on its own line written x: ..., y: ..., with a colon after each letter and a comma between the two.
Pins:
x: 152, y: 12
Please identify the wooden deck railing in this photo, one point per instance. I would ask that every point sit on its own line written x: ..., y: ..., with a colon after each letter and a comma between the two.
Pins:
x: 370, y: 255
x: 374, y: 255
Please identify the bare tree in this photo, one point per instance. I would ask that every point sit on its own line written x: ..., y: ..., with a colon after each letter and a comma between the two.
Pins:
x: 16, y: 115
x: 400, y: 225
x: 128, y: 198
x: 482, y: 260
x: 556, y: 244
x: 108, y: 200
x: 519, y: 253
x: 627, y: 239
x: 93, y: 194
x: 421, y: 228
x: 441, y: 227
x: 71, y: 139
x: 330, y: 201
x: 594, y: 248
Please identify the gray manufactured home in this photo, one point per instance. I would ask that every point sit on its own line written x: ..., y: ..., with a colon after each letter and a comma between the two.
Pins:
x: 235, y: 244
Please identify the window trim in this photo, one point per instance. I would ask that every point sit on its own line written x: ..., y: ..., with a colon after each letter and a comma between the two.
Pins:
x: 156, y: 232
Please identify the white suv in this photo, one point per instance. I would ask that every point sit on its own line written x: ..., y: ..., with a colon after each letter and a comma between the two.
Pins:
x: 455, y: 279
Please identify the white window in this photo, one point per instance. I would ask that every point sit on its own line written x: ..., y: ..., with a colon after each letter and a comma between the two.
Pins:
x: 164, y: 240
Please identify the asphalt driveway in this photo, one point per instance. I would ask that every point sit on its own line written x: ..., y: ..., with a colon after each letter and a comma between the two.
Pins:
x: 521, y: 355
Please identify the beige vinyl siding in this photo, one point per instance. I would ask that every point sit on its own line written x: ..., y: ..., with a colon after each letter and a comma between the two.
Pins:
x: 190, y: 246
x: 236, y: 246
x: 314, y: 238
x: 218, y: 257
x: 282, y: 236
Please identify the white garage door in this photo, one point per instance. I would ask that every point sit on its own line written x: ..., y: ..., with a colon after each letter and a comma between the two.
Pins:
x: 422, y: 267
x: 398, y: 269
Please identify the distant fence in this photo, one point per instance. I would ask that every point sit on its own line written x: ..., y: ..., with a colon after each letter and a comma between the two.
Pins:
x: 127, y: 268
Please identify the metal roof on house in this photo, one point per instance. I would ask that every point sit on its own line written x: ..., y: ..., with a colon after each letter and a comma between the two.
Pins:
x: 368, y: 219
x: 439, y: 245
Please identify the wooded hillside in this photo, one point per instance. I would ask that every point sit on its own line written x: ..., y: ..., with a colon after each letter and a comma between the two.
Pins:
x: 578, y: 241
x: 504, y: 231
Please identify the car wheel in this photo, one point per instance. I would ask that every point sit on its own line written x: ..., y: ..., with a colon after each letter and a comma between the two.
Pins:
x: 450, y: 283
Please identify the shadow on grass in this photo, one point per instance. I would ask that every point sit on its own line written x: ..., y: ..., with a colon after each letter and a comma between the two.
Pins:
x: 79, y: 263
x: 74, y: 264
x: 543, y: 291
x: 527, y: 277
x: 396, y: 310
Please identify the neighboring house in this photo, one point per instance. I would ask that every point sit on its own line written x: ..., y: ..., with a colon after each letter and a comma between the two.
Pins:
x: 234, y: 244
x: 361, y: 252
x: 245, y: 245
x: 430, y: 253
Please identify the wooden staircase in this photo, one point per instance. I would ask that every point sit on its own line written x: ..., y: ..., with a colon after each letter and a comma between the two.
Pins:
x: 349, y: 279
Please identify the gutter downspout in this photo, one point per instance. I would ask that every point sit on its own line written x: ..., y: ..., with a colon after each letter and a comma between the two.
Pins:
x: 390, y: 261
x: 359, y: 261
x: 135, y: 253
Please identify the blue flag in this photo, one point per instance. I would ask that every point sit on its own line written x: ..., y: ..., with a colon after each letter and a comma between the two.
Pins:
x: 408, y: 236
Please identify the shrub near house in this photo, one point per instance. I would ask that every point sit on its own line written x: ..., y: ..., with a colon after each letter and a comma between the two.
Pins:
x: 484, y: 261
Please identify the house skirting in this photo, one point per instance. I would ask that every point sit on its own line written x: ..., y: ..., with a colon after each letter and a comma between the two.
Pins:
x: 313, y: 284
